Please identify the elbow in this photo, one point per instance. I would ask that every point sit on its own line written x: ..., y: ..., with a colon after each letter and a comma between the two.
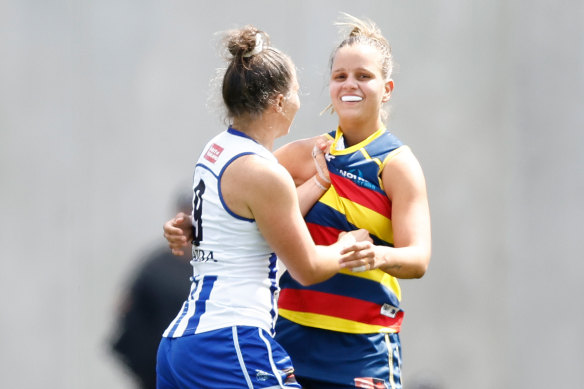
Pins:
x: 414, y: 269
x: 419, y: 270
x: 306, y: 279
x: 305, y: 282
x: 309, y: 277
x: 302, y: 277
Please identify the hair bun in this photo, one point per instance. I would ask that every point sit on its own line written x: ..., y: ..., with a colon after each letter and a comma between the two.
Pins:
x: 246, y: 42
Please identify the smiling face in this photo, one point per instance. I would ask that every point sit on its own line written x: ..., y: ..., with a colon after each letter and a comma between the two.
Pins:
x: 357, y: 87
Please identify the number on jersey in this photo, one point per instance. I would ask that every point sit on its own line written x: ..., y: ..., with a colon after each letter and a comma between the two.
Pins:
x: 198, y: 212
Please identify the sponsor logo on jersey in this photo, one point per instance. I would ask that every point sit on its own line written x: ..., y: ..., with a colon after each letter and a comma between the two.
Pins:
x: 356, y: 178
x: 202, y: 255
x: 213, y: 153
x: 389, y: 310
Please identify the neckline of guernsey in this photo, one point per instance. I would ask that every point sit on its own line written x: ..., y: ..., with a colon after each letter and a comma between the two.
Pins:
x: 339, y: 141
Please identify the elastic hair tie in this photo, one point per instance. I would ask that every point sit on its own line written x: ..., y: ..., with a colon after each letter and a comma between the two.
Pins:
x: 259, y: 46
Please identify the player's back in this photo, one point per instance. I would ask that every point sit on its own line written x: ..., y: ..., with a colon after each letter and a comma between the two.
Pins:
x: 234, y: 269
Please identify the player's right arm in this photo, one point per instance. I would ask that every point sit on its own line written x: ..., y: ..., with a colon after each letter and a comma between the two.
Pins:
x: 300, y: 161
x: 255, y: 188
x: 296, y: 157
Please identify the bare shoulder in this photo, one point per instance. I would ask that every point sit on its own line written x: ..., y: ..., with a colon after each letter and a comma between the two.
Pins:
x: 401, y: 171
x: 257, y: 174
x: 253, y: 171
x: 251, y: 180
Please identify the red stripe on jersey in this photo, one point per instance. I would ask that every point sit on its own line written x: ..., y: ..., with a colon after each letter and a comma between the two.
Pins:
x: 323, y: 235
x: 302, y: 300
x: 378, y: 202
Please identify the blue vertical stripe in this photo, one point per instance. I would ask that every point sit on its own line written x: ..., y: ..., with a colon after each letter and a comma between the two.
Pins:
x: 185, y: 309
x: 201, y: 303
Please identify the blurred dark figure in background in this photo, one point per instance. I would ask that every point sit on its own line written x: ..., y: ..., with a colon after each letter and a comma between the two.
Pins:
x: 155, y: 294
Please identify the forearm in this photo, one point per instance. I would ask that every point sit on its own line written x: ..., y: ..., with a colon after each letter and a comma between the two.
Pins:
x: 309, y: 192
x: 326, y: 263
x: 313, y: 264
x: 403, y: 262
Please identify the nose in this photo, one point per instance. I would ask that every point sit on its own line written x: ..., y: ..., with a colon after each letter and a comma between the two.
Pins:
x: 350, y: 82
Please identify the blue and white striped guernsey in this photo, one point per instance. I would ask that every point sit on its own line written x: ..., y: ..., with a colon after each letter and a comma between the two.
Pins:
x: 234, y: 269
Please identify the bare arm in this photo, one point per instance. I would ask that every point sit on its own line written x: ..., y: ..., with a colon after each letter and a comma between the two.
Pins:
x: 298, y: 159
x: 405, y: 185
x: 264, y: 191
x: 309, y: 192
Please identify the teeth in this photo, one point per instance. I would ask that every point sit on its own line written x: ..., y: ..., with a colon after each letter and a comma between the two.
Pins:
x: 351, y: 98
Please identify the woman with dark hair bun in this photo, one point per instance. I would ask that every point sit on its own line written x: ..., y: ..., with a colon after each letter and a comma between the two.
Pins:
x: 245, y: 212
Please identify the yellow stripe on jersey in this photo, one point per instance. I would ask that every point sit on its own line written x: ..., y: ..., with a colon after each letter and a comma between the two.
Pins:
x: 332, y: 323
x: 379, y: 276
x: 358, y: 215
x: 356, y: 147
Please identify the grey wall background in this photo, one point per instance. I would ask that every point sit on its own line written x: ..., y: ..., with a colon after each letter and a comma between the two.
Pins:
x: 104, y: 106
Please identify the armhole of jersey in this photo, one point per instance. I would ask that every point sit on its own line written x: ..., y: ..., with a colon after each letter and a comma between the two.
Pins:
x: 388, y: 158
x: 227, y: 209
x: 392, y: 154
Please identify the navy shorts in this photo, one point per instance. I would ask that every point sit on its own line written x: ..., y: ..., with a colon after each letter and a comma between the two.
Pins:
x: 233, y: 357
x: 329, y: 359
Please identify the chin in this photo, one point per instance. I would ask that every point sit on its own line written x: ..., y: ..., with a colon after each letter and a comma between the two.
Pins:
x: 347, y: 114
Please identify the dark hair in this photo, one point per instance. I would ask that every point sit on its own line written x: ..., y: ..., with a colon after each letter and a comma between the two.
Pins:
x: 255, y: 73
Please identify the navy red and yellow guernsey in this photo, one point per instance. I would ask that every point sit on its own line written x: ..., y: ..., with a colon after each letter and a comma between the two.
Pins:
x: 360, y: 303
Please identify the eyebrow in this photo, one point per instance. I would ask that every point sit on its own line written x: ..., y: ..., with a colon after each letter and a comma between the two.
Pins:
x: 359, y: 69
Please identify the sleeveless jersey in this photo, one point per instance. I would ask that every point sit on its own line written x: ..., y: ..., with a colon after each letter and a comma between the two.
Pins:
x: 234, y: 269
x: 366, y: 302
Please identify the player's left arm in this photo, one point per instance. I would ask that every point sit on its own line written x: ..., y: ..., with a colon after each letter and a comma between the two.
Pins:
x: 405, y: 185
x: 296, y: 157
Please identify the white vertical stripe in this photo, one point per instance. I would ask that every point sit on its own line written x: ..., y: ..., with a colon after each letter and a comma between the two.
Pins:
x: 271, y: 358
x: 240, y: 357
x: 390, y: 354
x: 185, y: 320
x: 171, y: 326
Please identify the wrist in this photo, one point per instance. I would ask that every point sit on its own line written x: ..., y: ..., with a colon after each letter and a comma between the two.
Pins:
x: 320, y: 184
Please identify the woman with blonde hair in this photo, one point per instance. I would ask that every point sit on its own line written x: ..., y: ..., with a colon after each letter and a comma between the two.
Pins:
x: 344, y: 332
